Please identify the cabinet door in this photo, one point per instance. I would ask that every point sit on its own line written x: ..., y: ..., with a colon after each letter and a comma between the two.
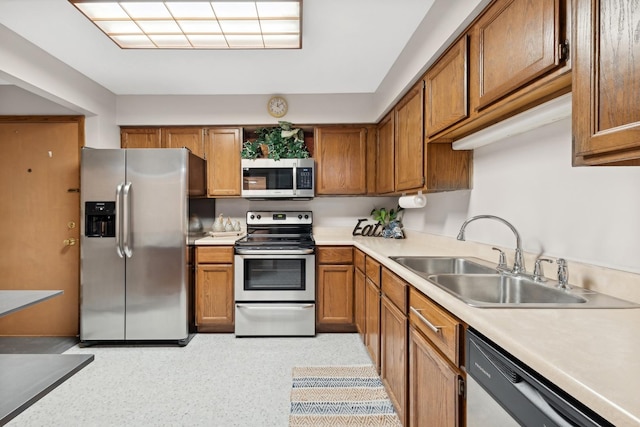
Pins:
x: 446, y: 89
x: 518, y: 42
x: 340, y: 160
x: 335, y: 294
x: 359, y: 281
x: 214, y: 296
x: 386, y: 155
x: 434, y: 398
x: 409, y: 141
x: 606, y: 82
x: 394, y: 355
x: 223, y: 149
x: 189, y: 137
x: 140, y: 138
x: 372, y: 322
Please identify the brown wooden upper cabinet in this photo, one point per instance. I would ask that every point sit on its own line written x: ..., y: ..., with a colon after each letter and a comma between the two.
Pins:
x: 140, y: 138
x: 518, y: 42
x: 514, y: 56
x: 606, y: 83
x: 385, y: 158
x: 446, y: 89
x: 341, y: 157
x: 189, y: 137
x: 406, y: 162
x: 222, y: 149
x: 409, y: 140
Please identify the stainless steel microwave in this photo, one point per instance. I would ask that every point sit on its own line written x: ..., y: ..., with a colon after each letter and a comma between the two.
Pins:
x: 284, y: 178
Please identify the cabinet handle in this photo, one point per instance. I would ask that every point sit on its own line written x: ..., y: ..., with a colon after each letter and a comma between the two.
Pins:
x: 435, y: 329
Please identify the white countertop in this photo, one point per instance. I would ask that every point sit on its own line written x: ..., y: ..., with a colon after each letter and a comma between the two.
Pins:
x: 221, y: 240
x: 592, y: 354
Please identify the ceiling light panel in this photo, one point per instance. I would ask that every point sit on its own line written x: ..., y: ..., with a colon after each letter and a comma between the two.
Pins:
x: 239, y: 24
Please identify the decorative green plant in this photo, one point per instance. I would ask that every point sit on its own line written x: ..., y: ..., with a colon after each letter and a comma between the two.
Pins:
x: 384, y: 217
x: 280, y: 142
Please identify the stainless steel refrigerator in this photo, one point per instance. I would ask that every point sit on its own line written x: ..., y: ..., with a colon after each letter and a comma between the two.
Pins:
x: 134, y: 275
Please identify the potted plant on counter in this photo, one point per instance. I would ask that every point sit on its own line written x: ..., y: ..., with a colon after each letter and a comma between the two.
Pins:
x: 280, y: 142
x: 390, y: 221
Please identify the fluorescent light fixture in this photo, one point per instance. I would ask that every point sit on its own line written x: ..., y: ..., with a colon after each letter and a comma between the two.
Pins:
x: 551, y: 111
x: 196, y: 24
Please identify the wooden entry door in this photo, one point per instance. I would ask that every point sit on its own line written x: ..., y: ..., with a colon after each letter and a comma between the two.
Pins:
x: 39, y: 211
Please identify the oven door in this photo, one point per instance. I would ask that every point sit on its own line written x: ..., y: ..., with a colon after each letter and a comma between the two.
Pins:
x: 275, y: 278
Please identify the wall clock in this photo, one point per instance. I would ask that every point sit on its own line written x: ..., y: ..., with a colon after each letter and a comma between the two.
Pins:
x: 277, y: 106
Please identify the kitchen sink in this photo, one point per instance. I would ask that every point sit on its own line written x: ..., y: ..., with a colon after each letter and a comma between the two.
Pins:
x: 481, y: 286
x: 480, y: 289
x: 429, y: 265
x: 500, y: 290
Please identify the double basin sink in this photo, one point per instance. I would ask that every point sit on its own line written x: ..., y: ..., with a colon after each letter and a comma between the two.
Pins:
x: 481, y: 286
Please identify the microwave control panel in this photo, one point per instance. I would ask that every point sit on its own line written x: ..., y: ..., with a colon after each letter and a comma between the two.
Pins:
x: 305, y: 178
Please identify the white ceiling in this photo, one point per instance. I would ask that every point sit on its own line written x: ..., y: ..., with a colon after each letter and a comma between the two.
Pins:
x: 349, y: 46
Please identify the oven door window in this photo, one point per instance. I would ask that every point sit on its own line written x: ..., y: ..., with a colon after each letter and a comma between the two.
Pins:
x: 274, y: 274
x: 267, y: 179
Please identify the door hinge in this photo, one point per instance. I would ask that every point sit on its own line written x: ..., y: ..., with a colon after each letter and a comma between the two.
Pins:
x: 462, y: 391
x: 73, y: 190
x: 563, y: 51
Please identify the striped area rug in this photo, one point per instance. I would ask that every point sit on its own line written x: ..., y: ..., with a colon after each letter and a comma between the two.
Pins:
x: 340, y: 396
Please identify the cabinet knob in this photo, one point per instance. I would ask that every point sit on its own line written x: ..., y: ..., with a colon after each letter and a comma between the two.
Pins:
x: 69, y: 242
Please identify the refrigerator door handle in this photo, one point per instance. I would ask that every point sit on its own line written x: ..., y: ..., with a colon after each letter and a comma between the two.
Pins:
x: 119, y: 249
x: 126, y: 216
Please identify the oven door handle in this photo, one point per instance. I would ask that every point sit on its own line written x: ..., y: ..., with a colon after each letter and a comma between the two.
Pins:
x: 274, y: 251
x: 272, y: 306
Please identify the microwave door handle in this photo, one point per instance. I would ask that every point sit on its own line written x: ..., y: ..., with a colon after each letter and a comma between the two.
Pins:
x: 295, y: 179
x: 119, y: 249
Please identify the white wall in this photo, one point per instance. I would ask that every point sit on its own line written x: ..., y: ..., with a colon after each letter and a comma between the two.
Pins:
x: 327, y: 211
x: 588, y: 214
x: 31, y: 69
x: 242, y: 109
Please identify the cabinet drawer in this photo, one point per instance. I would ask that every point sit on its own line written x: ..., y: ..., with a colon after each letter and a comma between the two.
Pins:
x: 359, y: 259
x: 395, y: 289
x: 372, y: 270
x: 440, y: 327
x: 214, y: 255
x: 334, y: 255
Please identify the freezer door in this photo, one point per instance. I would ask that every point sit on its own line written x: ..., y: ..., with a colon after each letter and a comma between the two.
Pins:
x: 155, y: 234
x: 102, y: 273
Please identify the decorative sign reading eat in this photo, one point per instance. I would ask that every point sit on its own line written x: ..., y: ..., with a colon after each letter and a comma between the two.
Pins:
x: 372, y: 230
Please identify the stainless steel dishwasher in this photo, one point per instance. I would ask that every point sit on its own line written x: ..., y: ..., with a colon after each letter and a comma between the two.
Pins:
x: 501, y: 391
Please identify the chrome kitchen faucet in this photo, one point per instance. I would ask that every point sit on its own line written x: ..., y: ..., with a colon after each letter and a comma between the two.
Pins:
x: 518, y: 264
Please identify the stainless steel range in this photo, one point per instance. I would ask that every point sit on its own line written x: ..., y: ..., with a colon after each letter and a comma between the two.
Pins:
x: 275, y: 288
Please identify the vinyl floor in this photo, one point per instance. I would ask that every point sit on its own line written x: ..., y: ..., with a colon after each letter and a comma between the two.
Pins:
x: 216, y: 380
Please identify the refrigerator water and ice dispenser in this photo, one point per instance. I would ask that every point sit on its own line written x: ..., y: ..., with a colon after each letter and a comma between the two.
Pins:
x: 100, y: 219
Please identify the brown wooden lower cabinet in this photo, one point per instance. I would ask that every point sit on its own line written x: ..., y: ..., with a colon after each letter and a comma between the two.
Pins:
x: 372, y: 321
x: 359, y: 281
x: 214, y: 289
x: 436, y: 380
x: 394, y: 355
x: 434, y: 399
x: 334, y: 289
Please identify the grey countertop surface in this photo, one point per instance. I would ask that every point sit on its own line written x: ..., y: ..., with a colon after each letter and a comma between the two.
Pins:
x: 14, y: 300
x: 25, y: 378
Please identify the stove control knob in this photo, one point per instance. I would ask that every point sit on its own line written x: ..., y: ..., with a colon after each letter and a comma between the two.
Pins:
x: 306, y: 217
x: 299, y: 216
x: 259, y: 216
x: 252, y: 217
